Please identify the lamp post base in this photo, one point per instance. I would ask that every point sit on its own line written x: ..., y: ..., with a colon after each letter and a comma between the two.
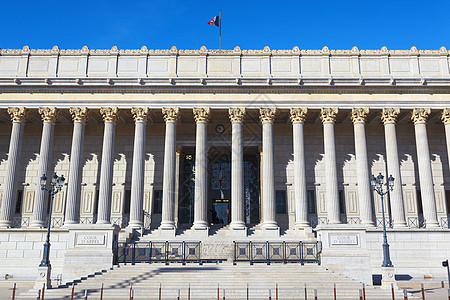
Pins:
x: 44, y: 277
x: 388, y: 279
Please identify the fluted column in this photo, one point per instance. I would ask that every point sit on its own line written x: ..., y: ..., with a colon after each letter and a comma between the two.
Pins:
x: 48, y: 115
x: 72, y: 215
x: 18, y: 115
x: 445, y: 117
x: 389, y: 117
x: 298, y: 116
x: 419, y: 117
x: 137, y: 177
x: 168, y: 203
x: 359, y: 116
x: 237, y: 169
x: 201, y: 116
x: 267, y: 117
x: 109, y: 115
x: 328, y: 116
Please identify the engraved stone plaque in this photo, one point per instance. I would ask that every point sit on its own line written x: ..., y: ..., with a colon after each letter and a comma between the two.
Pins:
x: 343, y: 240
x: 91, y: 239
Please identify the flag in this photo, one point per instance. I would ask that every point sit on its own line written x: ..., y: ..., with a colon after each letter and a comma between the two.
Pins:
x: 214, y: 21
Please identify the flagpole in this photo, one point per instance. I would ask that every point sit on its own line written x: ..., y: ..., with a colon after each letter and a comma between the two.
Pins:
x: 220, y: 29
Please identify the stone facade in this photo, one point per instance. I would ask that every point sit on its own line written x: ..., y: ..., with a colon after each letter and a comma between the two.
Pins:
x: 126, y: 128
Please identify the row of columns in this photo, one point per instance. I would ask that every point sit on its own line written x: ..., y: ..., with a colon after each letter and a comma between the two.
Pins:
x: 236, y: 115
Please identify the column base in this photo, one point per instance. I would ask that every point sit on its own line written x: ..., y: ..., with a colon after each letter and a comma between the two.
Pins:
x: 433, y: 224
x: 103, y: 222
x: 167, y: 232
x: 37, y: 224
x: 388, y: 278
x: 399, y: 225
x: 238, y: 231
x: 135, y: 224
x: 200, y: 225
x: 302, y: 224
x: 368, y: 223
x: 5, y: 224
x: 44, y: 277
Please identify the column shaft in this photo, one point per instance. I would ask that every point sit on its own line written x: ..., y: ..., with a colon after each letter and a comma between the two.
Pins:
x: 425, y: 176
x: 268, y: 196
x: 75, y: 172
x: 137, y: 179
x: 237, y: 177
x: 41, y: 197
x: 447, y: 139
x: 106, y: 174
x: 332, y: 193
x: 301, y: 196
x: 167, y: 221
x: 201, y: 172
x: 10, y: 190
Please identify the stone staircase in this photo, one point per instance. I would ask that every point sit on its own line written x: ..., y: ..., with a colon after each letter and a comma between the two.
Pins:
x: 204, y: 279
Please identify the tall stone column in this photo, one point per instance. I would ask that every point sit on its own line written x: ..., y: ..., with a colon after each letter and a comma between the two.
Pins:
x: 267, y: 117
x: 298, y: 116
x: 48, y: 115
x: 79, y: 115
x: 419, y: 117
x: 328, y: 116
x: 168, y: 202
x: 137, y: 178
x: 389, y: 117
x: 445, y: 117
x: 109, y: 115
x: 237, y: 169
x: 201, y: 116
x: 359, y: 116
x: 18, y: 115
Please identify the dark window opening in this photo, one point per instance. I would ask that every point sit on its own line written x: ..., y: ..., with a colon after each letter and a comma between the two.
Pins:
x: 342, y: 202
x: 96, y: 202
x: 127, y: 200
x: 280, y: 197
x: 19, y: 201
x: 311, y: 202
x: 419, y: 202
x: 157, y: 201
x: 447, y: 201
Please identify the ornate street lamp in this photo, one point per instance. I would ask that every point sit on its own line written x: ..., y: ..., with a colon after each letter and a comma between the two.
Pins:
x: 377, y: 185
x: 56, y: 185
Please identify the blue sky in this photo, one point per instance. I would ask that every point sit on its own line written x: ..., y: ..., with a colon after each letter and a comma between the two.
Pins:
x: 248, y: 24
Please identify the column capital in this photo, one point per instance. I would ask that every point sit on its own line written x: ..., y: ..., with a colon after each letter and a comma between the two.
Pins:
x: 389, y: 115
x: 328, y: 115
x: 18, y: 114
x: 236, y: 115
x: 267, y: 115
x: 201, y: 114
x: 359, y: 115
x: 170, y: 114
x: 49, y: 114
x: 445, y: 117
x: 420, y: 115
x: 109, y: 114
x: 298, y: 115
x: 140, y: 114
x: 79, y: 114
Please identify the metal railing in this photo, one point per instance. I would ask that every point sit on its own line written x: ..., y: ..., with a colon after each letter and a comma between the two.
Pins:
x: 285, y: 252
x: 19, y: 222
x: 417, y: 222
x: 314, y: 221
x: 379, y: 222
x: 445, y: 222
x: 150, y: 252
x: 122, y: 222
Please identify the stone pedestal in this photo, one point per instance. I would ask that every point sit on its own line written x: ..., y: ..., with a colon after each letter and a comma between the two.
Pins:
x: 388, y: 278
x: 44, y: 277
x: 305, y: 233
x: 200, y: 232
x: 344, y: 250
x: 89, y: 250
x: 238, y: 232
x: 167, y: 232
x: 271, y: 232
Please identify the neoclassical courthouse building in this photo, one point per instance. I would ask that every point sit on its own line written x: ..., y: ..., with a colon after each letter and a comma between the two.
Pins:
x: 225, y: 145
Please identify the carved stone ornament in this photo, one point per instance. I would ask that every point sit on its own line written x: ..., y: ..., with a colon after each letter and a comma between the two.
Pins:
x: 79, y: 114
x: 389, y: 115
x: 236, y: 115
x: 140, y: 114
x: 267, y: 115
x: 420, y: 115
x: 109, y: 114
x: 328, y: 115
x: 18, y: 114
x: 445, y: 116
x: 170, y: 114
x: 359, y: 115
x: 201, y: 114
x: 298, y: 115
x: 49, y: 114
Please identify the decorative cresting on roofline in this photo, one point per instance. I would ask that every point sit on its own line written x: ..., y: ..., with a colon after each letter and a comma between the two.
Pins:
x: 420, y: 115
x: 18, y: 114
x: 328, y: 115
x: 389, y: 115
x: 267, y: 115
x: 109, y: 114
x: 140, y: 114
x: 49, y: 114
x: 359, y: 115
x: 79, y: 114
x: 237, y: 50
x: 236, y: 115
x: 445, y: 117
x: 201, y: 114
x: 170, y: 114
x: 298, y: 115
